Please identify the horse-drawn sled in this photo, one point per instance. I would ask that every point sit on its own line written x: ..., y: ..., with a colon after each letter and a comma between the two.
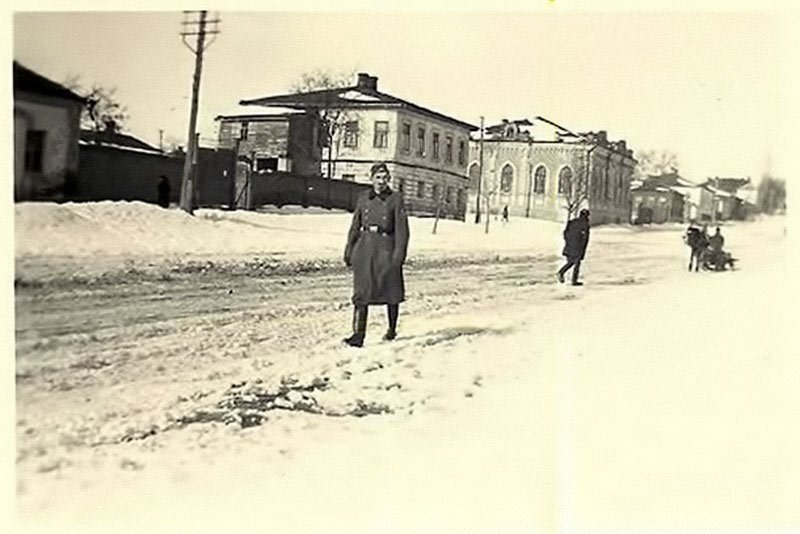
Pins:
x: 706, y: 252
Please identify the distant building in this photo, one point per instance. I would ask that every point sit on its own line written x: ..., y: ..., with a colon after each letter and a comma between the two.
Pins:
x: 669, y: 197
x: 734, y: 198
x: 114, y: 139
x: 287, y: 142
x: 425, y: 151
x: 46, y: 136
x: 543, y: 170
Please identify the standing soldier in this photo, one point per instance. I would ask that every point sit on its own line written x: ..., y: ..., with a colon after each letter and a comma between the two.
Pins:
x: 576, y: 238
x: 376, y: 250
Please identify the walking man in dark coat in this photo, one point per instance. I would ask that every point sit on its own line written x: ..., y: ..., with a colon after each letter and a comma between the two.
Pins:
x: 376, y: 250
x: 576, y: 237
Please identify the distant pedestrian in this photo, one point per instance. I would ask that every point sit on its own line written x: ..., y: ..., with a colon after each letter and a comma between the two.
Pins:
x: 163, y: 191
x: 576, y: 238
x: 716, y: 241
x: 505, y: 214
x: 376, y: 250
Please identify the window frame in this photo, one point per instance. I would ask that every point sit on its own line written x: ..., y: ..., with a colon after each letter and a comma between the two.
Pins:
x: 384, y: 137
x: 351, y: 134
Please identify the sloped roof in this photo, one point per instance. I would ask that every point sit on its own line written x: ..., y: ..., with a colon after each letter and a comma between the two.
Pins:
x: 349, y: 97
x: 731, y: 185
x: 120, y: 140
x: 669, y: 179
x: 27, y: 80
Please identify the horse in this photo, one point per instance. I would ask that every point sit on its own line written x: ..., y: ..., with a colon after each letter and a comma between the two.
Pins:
x: 698, y: 243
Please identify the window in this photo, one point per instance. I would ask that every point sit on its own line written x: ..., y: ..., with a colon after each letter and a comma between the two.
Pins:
x: 565, y: 181
x: 540, y: 179
x: 474, y: 176
x: 381, y: 139
x: 435, y: 146
x: 462, y: 153
x: 448, y: 149
x: 406, y: 137
x: 506, y: 178
x: 266, y: 165
x: 449, y: 197
x: 420, y: 189
x: 436, y: 192
x: 34, y: 150
x: 351, y: 134
x: 400, y: 187
x: 348, y: 177
x: 244, y: 131
x: 421, y: 141
x: 462, y: 200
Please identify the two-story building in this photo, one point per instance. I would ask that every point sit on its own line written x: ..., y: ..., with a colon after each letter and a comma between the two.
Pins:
x: 46, y: 136
x: 286, y: 141
x: 540, y: 169
x: 426, y: 151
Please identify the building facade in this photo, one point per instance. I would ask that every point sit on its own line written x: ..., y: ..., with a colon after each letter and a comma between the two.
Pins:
x: 46, y: 136
x: 426, y: 152
x: 542, y: 170
x: 287, y: 142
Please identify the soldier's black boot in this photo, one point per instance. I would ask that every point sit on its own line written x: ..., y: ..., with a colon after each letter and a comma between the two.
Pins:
x: 392, y: 311
x: 359, y: 327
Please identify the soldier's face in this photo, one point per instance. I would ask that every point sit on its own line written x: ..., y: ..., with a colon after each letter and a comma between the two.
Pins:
x: 380, y: 180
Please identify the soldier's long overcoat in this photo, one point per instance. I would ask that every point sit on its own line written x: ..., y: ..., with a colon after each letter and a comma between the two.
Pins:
x: 377, y: 256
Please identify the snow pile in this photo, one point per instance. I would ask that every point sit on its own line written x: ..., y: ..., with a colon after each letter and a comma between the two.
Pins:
x: 141, y: 229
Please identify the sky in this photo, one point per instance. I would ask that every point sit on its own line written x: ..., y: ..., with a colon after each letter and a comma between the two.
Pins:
x: 713, y: 87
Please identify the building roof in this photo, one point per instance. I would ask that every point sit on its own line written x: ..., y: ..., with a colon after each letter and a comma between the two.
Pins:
x: 730, y: 185
x: 116, y: 140
x: 27, y: 80
x: 362, y: 95
x: 255, y: 117
x: 669, y: 179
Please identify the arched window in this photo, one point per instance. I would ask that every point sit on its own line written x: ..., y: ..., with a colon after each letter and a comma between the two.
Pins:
x: 474, y: 176
x: 539, y: 179
x: 565, y: 181
x: 506, y: 178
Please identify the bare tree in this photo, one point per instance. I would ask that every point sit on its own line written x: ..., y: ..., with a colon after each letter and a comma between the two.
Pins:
x: 574, y: 191
x: 332, y: 117
x: 102, y: 109
x: 771, y: 195
x: 655, y: 162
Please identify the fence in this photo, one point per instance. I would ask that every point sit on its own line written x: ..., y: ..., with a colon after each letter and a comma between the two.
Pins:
x: 280, y: 189
x: 110, y: 173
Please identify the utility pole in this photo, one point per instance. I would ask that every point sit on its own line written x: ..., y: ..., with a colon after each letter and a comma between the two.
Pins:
x: 161, y: 140
x: 197, y: 28
x: 480, y: 179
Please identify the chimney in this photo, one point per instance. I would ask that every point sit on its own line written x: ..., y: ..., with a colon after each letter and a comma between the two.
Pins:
x: 365, y: 81
x: 110, y: 129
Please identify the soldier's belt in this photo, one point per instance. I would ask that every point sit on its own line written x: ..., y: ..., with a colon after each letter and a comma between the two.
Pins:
x: 374, y: 229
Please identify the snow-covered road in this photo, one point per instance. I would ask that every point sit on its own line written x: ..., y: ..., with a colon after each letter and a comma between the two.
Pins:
x: 649, y: 399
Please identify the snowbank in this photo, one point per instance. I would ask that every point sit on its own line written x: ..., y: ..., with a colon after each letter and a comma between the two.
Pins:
x: 139, y: 229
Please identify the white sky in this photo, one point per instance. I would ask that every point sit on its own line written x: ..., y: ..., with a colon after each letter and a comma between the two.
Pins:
x: 711, y: 86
